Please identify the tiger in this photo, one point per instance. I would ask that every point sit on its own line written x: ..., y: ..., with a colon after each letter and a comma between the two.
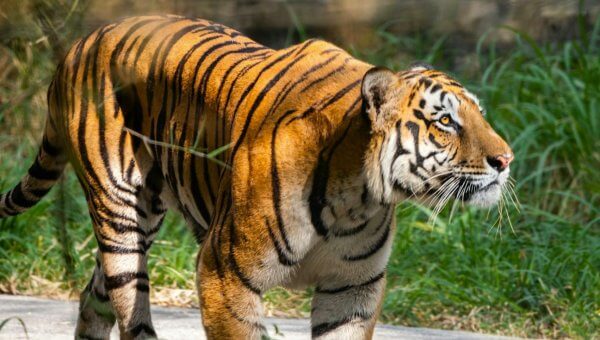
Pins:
x: 316, y: 150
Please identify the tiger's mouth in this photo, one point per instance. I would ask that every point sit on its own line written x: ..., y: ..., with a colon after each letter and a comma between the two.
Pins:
x: 476, y: 192
x: 482, y: 191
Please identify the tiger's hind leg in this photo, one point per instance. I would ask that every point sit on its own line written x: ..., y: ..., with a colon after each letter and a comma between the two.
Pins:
x: 125, y: 226
x: 96, y: 315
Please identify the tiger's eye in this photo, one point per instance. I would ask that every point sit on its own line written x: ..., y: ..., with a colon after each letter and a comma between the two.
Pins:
x: 445, y: 120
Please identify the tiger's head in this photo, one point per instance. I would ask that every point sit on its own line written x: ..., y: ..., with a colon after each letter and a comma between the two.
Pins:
x: 430, y: 140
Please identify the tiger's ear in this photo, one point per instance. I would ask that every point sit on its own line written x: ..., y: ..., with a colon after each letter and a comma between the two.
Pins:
x: 377, y: 85
x: 420, y: 66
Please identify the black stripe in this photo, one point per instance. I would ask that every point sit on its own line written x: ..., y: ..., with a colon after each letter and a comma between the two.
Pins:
x: 130, y: 48
x: 152, y: 34
x: 425, y: 81
x: 176, y: 83
x: 198, y: 200
x: 242, y: 320
x: 352, y: 109
x: 99, y: 296
x: 201, y: 92
x: 158, y: 63
x: 141, y: 213
x: 372, y: 280
x: 87, y: 337
x: 99, y: 96
x: 419, y: 115
x: 329, y: 102
x: 261, y: 95
x: 122, y: 228
x: 381, y: 172
x: 400, y: 150
x: 18, y: 197
x: 283, y: 258
x: 327, y: 327
x: 325, y: 77
x: 373, y: 249
x: 226, y: 75
x: 282, y: 95
x: 442, y: 96
x: 411, y: 96
x: 229, y: 70
x: 234, y: 265
x: 81, y: 130
x: 124, y: 38
x: 275, y: 183
x: 120, y: 280
x: 102, y: 140
x: 7, y: 204
x: 434, y: 142
x: 39, y: 193
x: 111, y: 249
x: 349, y: 232
x: 317, y: 200
x: 103, y: 237
x: 37, y: 171
x: 135, y: 331
x: 109, y: 216
x: 215, y: 241
x: 49, y: 149
x: 142, y: 287
x: 10, y: 211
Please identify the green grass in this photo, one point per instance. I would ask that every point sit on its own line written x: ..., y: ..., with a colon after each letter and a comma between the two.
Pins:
x: 540, y: 278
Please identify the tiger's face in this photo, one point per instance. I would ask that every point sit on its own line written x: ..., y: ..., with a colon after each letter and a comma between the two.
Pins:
x: 430, y: 140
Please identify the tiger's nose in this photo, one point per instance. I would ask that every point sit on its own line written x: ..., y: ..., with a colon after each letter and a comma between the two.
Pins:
x: 500, y: 162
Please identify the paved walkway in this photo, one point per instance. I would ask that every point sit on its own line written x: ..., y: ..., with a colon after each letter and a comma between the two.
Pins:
x: 50, y: 319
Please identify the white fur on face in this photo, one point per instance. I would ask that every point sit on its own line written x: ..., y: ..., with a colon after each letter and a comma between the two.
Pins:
x: 415, y: 163
x: 414, y: 167
x: 487, y: 188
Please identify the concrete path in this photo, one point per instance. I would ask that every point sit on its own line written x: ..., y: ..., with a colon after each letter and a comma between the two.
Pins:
x: 50, y: 319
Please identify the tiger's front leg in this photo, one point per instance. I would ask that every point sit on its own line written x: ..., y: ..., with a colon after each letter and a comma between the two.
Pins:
x: 243, y: 256
x: 347, y: 312
x: 229, y: 309
x: 230, y: 300
x: 351, y: 283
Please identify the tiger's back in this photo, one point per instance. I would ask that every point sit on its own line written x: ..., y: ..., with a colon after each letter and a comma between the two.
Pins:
x: 190, y: 83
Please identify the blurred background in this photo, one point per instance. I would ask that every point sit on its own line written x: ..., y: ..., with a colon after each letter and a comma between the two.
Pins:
x: 529, y: 269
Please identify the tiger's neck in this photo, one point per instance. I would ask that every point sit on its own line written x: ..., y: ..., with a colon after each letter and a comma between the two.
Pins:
x: 340, y: 189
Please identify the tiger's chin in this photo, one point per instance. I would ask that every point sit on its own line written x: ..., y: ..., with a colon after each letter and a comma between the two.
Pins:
x: 485, y: 197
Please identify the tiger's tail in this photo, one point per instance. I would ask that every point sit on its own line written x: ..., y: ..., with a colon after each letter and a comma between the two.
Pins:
x: 39, y: 179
